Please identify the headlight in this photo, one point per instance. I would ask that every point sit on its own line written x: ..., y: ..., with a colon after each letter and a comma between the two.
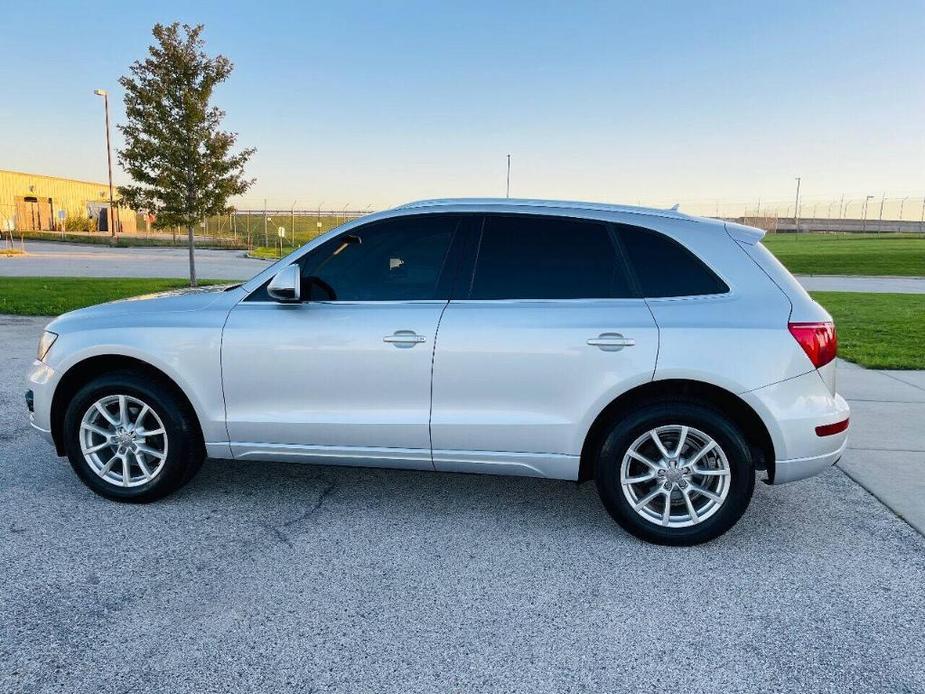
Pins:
x: 45, y: 343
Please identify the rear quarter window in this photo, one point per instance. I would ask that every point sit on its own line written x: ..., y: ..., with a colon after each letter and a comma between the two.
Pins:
x: 665, y: 268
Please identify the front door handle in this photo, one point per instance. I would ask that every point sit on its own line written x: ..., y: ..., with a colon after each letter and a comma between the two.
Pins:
x: 404, y: 338
x: 611, y: 342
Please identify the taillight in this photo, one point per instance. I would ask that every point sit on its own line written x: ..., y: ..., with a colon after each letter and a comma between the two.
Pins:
x: 818, y: 340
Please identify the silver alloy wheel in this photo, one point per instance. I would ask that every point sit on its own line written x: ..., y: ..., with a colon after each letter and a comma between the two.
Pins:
x: 675, y: 476
x: 123, y: 440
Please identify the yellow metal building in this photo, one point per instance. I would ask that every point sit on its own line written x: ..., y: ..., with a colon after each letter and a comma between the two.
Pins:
x: 31, y: 202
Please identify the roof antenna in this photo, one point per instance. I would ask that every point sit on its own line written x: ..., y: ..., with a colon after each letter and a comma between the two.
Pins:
x: 674, y: 208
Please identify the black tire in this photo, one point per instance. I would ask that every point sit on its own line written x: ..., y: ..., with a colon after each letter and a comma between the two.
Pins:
x: 185, y: 452
x: 627, y: 429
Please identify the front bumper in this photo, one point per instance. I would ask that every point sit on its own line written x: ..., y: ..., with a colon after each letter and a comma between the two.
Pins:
x: 46, y: 433
x: 38, y: 397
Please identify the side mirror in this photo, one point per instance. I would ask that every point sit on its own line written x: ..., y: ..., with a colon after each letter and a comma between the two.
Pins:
x: 286, y: 284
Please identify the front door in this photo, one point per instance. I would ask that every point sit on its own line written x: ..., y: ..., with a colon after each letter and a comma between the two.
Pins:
x: 550, y: 333
x: 343, y: 377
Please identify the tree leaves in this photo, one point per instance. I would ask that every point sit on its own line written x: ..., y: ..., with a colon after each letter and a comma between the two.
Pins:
x: 183, y: 166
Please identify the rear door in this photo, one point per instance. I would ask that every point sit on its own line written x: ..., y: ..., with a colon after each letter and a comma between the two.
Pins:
x: 546, y: 334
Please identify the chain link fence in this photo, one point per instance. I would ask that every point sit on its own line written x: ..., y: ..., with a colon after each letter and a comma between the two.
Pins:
x: 271, y: 230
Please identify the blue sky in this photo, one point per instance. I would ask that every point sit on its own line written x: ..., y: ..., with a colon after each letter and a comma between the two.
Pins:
x: 378, y: 103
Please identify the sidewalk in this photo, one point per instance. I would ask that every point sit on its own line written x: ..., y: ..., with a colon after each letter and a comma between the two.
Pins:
x: 850, y: 283
x: 886, y: 447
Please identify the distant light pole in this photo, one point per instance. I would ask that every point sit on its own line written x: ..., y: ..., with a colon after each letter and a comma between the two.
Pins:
x: 112, y: 204
x: 507, y: 190
x: 292, y: 224
x: 864, y: 217
x: 880, y: 222
x: 902, y: 204
x: 796, y: 209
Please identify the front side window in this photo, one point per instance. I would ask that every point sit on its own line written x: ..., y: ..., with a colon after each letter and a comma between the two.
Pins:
x: 665, y: 268
x: 396, y: 260
x: 526, y: 257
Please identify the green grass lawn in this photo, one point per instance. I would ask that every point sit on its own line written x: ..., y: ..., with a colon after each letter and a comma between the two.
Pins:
x: 49, y: 296
x: 880, y: 331
x: 850, y: 254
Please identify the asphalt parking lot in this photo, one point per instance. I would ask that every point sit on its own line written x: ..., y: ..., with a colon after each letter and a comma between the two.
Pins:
x: 267, y: 577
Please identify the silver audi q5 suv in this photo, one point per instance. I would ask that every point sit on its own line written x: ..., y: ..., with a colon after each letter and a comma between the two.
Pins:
x: 668, y: 358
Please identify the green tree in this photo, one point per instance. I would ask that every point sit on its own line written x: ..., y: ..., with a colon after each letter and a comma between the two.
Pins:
x: 182, y: 164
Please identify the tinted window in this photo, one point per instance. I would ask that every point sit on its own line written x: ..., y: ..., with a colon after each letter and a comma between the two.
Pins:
x: 396, y: 260
x: 522, y: 257
x: 665, y: 268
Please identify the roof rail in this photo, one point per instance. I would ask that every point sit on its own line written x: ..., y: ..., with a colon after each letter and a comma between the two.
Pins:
x: 527, y: 202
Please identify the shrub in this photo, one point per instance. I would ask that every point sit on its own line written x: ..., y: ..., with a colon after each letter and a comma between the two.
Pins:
x: 78, y: 223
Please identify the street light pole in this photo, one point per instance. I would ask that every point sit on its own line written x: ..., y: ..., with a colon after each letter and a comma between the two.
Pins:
x: 112, y: 205
x: 880, y: 222
x: 507, y: 190
x: 796, y: 210
x: 902, y: 204
x: 864, y: 216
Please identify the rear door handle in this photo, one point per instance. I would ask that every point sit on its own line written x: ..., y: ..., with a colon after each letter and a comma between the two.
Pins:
x: 611, y: 342
x: 404, y: 338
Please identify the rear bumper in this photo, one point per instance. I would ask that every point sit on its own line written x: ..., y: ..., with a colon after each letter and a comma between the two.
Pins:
x: 791, y: 411
x: 801, y: 468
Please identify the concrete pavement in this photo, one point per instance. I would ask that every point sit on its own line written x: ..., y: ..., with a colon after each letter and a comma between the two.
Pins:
x: 839, y: 283
x: 886, y: 449
x: 273, y: 577
x: 45, y: 259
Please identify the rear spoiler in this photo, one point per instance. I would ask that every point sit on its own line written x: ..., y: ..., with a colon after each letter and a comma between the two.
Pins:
x: 744, y: 234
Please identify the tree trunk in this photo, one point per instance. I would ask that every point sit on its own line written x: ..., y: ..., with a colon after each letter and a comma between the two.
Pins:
x: 192, y: 260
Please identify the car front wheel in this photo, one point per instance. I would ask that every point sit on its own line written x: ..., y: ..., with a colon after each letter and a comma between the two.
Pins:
x: 675, y: 473
x: 131, y: 438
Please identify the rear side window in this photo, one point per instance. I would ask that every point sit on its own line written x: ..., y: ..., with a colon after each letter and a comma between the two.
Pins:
x: 524, y: 257
x: 666, y: 268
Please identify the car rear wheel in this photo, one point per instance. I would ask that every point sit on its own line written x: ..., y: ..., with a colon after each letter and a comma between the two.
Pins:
x: 131, y: 438
x: 675, y: 473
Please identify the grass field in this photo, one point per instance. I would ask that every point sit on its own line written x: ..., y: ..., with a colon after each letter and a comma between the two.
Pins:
x: 850, y: 254
x: 50, y: 296
x: 879, y: 331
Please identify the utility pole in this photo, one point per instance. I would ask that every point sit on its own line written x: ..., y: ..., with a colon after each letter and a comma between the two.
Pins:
x: 867, y: 200
x: 796, y: 210
x: 507, y: 190
x: 112, y: 205
x: 266, y: 236
x: 880, y: 222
